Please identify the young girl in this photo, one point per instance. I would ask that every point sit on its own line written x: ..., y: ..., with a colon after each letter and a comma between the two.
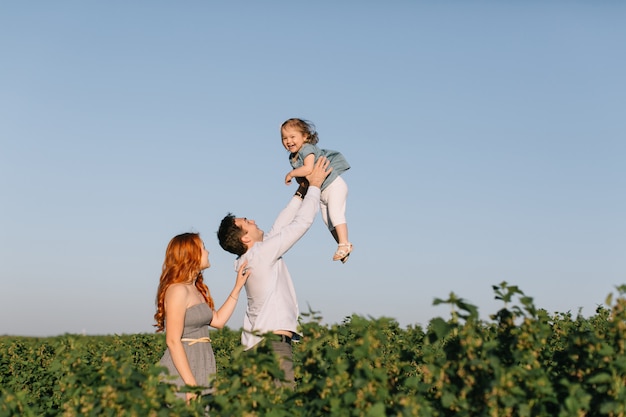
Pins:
x: 185, y: 309
x: 300, y: 139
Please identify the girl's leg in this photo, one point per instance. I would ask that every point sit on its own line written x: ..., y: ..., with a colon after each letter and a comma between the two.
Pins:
x: 334, y: 197
x: 344, y: 247
x: 340, y: 233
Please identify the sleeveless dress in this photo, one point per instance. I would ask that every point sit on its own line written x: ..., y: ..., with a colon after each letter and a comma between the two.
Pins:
x: 200, y: 354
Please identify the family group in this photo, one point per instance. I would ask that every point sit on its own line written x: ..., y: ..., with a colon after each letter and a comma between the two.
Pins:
x: 184, y: 306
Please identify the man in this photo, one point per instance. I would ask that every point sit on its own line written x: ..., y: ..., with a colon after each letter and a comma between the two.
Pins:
x: 272, y: 303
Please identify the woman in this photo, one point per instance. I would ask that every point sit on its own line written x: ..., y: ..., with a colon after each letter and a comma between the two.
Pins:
x: 185, y: 309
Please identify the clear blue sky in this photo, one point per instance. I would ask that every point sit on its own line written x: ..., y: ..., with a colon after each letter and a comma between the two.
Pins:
x: 487, y: 142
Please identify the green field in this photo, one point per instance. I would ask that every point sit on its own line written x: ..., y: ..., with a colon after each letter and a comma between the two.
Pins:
x: 521, y: 362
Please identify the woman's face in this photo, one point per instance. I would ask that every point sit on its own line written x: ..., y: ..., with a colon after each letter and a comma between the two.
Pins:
x: 204, y: 260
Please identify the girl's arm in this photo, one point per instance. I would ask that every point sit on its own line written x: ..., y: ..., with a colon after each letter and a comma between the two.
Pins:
x: 175, y: 307
x: 303, y: 171
x: 221, y: 316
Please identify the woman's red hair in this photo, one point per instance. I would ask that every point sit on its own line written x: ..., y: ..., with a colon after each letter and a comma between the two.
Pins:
x: 182, y: 260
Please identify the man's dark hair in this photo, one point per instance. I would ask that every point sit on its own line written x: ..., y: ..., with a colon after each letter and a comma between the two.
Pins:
x: 229, y: 235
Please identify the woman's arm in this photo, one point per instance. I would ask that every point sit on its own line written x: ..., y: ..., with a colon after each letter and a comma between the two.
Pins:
x: 175, y: 307
x: 221, y: 316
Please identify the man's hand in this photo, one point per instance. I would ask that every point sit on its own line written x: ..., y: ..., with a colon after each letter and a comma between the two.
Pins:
x: 320, y: 172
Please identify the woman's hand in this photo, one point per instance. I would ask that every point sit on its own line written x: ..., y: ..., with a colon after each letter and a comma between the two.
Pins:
x: 242, y: 275
x: 221, y: 316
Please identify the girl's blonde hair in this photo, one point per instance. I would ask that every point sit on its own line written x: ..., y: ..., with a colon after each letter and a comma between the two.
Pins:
x: 182, y: 260
x: 305, y: 127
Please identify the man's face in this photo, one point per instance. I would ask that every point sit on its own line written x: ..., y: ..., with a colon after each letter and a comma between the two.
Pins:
x: 251, y: 231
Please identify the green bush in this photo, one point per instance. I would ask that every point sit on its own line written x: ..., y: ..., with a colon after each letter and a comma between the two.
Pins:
x: 522, y: 362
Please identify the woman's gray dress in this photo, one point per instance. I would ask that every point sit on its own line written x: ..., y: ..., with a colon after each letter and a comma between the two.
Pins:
x: 200, y: 354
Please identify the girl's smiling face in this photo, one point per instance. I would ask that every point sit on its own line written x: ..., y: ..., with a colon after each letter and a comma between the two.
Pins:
x: 293, y: 139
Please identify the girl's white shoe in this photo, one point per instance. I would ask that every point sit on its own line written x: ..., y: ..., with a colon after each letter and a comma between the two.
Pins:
x: 343, y: 252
